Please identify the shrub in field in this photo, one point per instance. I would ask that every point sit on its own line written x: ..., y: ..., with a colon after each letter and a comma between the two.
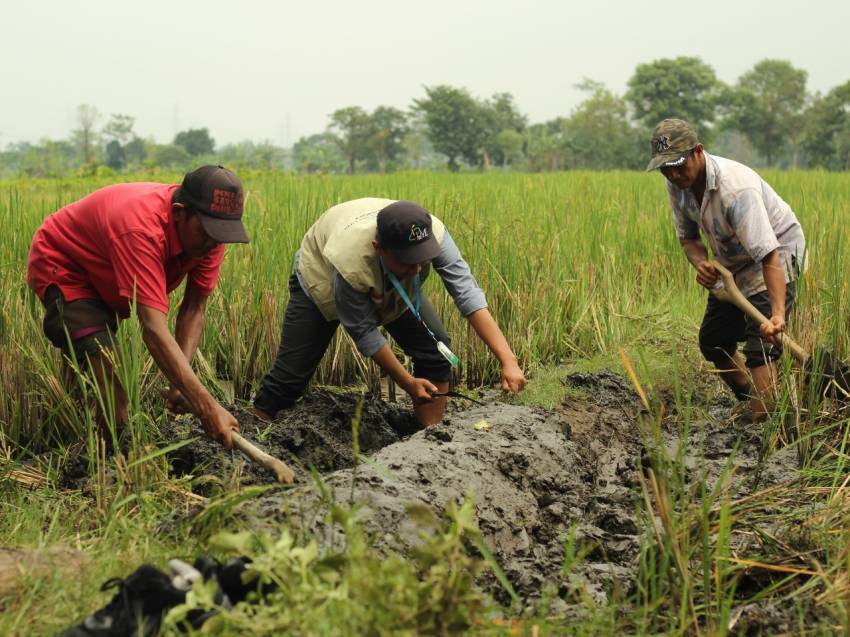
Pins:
x: 352, y: 591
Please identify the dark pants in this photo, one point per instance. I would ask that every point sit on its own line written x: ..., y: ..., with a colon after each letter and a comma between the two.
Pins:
x: 724, y: 326
x: 307, y: 334
x: 79, y: 328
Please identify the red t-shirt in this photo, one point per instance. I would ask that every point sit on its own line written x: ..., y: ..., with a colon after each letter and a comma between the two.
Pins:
x: 116, y: 240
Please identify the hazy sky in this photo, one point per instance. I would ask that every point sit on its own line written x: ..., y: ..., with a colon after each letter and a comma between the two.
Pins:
x: 274, y: 70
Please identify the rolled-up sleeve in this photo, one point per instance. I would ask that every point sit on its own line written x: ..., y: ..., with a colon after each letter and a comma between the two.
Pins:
x: 358, y: 317
x: 457, y: 277
x: 749, y: 219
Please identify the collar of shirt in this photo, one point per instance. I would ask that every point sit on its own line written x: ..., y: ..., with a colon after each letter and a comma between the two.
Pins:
x: 710, y: 173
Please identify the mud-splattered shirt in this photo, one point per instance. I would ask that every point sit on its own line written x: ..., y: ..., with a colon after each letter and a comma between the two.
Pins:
x: 743, y: 219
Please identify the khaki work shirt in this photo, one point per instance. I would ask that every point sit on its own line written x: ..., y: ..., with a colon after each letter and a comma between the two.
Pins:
x: 743, y: 220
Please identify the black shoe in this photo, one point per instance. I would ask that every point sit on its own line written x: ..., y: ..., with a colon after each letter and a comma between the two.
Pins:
x: 231, y: 588
x: 137, y: 608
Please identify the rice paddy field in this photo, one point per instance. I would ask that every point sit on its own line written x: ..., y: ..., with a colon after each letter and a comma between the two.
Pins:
x: 583, y: 272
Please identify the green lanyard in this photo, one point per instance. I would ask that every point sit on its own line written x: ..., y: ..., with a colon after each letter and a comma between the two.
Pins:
x: 416, y: 292
x: 441, y: 347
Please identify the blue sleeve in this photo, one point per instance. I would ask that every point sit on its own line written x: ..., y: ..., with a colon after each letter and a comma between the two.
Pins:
x: 357, y: 315
x: 457, y: 277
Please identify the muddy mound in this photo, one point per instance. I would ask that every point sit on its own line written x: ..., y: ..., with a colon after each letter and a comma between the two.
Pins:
x: 314, y: 433
x: 531, y: 483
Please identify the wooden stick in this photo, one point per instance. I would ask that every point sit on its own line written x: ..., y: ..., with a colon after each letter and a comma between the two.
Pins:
x: 731, y: 294
x: 281, y: 470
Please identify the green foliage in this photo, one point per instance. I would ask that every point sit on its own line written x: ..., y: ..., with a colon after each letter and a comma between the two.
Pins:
x: 354, y: 590
x: 386, y: 142
x: 170, y: 156
x: 598, y: 134
x: 455, y: 122
x: 318, y: 154
x: 825, y: 139
x: 767, y: 107
x: 85, y: 136
x: 682, y: 87
x: 504, y: 126
x: 353, y: 129
x: 195, y: 141
x: 115, y: 156
x: 259, y: 156
x: 119, y: 128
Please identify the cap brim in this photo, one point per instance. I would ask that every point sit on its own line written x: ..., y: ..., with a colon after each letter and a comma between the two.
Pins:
x: 670, y: 159
x: 224, y: 230
x: 419, y: 253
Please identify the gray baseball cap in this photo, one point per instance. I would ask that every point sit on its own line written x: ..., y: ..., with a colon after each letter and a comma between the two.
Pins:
x: 671, y: 142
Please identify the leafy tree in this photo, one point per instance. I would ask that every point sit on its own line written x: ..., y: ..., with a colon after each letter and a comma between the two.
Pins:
x: 598, y: 134
x: 544, y: 146
x: 319, y: 154
x: 419, y: 153
x: 135, y: 151
x: 116, y: 159
x: 247, y: 154
x: 455, y: 123
x: 504, y: 125
x: 353, y: 128
x: 825, y: 136
x: 195, y: 141
x: 45, y: 159
x: 386, y: 140
x: 683, y: 87
x: 507, y: 147
x: 85, y: 135
x: 766, y: 106
x: 170, y: 156
x: 119, y: 128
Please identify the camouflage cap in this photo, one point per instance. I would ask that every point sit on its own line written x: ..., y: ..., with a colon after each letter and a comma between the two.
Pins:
x: 671, y: 142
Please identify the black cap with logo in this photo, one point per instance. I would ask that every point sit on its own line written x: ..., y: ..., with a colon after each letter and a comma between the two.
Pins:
x: 404, y: 228
x: 217, y: 195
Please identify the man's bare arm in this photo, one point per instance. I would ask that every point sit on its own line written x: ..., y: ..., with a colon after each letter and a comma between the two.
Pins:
x: 171, y: 359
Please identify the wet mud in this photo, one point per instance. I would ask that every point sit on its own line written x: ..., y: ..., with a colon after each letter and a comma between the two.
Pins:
x: 314, y: 434
x: 537, y: 476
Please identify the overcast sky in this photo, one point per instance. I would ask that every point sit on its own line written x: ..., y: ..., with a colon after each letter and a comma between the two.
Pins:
x: 274, y: 70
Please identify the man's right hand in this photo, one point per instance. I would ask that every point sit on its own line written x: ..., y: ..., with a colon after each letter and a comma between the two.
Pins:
x: 421, y: 390
x: 219, y: 424
x: 706, y: 274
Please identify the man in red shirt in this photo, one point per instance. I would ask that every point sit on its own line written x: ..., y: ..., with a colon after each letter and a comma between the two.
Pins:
x: 138, y: 241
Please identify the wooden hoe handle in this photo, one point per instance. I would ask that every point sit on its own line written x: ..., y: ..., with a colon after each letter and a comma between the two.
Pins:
x: 278, y: 467
x: 731, y: 294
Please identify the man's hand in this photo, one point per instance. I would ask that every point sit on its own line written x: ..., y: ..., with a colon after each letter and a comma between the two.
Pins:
x: 218, y: 425
x: 513, y: 380
x: 175, y: 402
x: 772, y: 329
x: 706, y: 274
x: 421, y: 390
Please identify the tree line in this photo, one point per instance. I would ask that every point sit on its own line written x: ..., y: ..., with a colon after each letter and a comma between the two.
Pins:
x: 766, y: 118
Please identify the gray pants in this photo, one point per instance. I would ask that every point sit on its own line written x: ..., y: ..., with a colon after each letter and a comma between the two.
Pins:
x: 307, y: 334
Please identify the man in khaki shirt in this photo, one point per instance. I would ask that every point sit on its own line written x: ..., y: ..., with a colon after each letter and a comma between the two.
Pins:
x: 753, y: 233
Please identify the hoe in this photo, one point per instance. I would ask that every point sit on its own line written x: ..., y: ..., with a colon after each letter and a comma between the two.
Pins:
x: 824, y: 373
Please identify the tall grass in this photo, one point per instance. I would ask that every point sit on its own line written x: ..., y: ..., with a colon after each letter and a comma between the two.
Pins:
x: 573, y: 264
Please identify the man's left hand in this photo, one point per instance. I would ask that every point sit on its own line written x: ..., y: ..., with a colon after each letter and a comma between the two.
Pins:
x: 175, y: 402
x: 773, y: 328
x: 513, y: 380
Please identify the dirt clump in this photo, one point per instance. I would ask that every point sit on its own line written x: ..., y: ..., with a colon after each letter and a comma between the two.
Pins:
x: 315, y: 433
x: 533, y: 482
